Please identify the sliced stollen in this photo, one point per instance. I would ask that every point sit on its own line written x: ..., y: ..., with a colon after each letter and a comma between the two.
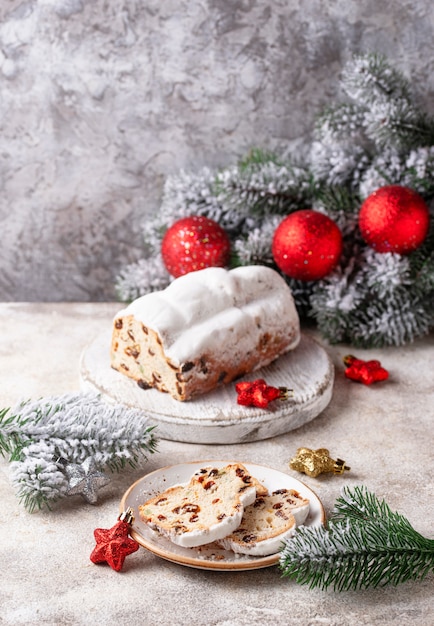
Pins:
x: 267, y: 522
x: 299, y: 506
x: 206, y: 509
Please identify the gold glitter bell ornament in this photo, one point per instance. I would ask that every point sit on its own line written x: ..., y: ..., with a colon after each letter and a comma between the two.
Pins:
x: 316, y: 462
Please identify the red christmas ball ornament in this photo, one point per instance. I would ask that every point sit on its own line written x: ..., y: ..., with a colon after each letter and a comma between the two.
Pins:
x: 307, y: 245
x: 394, y: 219
x: 193, y: 243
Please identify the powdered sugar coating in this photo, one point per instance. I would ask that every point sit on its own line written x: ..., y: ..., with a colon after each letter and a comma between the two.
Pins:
x: 215, y: 309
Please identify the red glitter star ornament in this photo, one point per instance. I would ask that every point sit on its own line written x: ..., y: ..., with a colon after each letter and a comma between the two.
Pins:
x: 258, y: 393
x: 113, y: 545
x: 366, y: 372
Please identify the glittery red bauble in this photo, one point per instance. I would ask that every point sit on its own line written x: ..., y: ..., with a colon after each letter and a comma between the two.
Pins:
x: 394, y: 219
x: 307, y: 245
x: 193, y: 243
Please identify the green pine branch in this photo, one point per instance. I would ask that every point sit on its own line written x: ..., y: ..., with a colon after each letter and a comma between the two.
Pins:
x: 340, y: 122
x: 370, y: 78
x: 268, y: 185
x: 402, y: 126
x: 39, y: 436
x: 365, y: 545
x: 12, y: 437
x: 339, y: 202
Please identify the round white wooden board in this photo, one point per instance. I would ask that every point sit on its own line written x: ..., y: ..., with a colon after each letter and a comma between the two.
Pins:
x: 216, y: 417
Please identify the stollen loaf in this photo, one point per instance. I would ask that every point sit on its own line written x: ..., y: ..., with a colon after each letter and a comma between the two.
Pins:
x: 207, y: 328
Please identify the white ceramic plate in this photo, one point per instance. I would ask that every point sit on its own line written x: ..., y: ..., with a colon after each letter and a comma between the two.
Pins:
x: 210, y: 557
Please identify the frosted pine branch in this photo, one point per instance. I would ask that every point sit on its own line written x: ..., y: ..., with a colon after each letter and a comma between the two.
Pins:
x: 397, y: 123
x: 375, y: 300
x: 37, y: 478
x: 338, y: 163
x: 370, y: 78
x: 256, y: 247
x: 418, y: 170
x: 343, y: 122
x: 268, y: 187
x: 397, y: 324
x: 187, y: 193
x: 72, y: 427
x: 143, y: 277
x: 386, y: 168
x: 365, y: 545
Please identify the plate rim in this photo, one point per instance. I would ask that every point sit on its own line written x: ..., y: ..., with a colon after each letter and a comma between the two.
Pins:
x: 247, y: 563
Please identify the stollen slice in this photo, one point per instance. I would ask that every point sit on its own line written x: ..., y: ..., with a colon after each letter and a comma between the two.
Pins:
x: 298, y: 505
x: 206, y: 509
x: 267, y: 522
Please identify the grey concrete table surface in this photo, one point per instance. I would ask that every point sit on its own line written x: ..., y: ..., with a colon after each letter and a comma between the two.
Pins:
x: 384, y: 433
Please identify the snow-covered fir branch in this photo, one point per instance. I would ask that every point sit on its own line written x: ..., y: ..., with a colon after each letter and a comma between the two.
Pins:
x: 184, y: 194
x: 397, y: 123
x: 257, y: 188
x: 384, y: 273
x: 365, y: 545
x: 370, y: 78
x: 343, y: 122
x: 338, y: 163
x: 255, y: 248
x: 38, y: 480
x: 144, y: 276
x: 71, y: 427
x: 373, y: 300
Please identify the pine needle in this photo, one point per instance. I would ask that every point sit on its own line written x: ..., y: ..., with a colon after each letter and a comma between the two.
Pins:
x: 71, y: 427
x: 366, y: 545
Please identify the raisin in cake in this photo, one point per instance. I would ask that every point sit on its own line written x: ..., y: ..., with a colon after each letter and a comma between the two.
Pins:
x: 206, y: 328
x: 208, y: 508
x: 267, y: 522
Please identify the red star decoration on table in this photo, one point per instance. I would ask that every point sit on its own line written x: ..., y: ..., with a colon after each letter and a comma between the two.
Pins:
x: 366, y: 372
x: 258, y: 393
x: 113, y: 545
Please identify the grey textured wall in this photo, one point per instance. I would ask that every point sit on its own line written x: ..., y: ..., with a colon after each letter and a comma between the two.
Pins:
x: 101, y: 99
